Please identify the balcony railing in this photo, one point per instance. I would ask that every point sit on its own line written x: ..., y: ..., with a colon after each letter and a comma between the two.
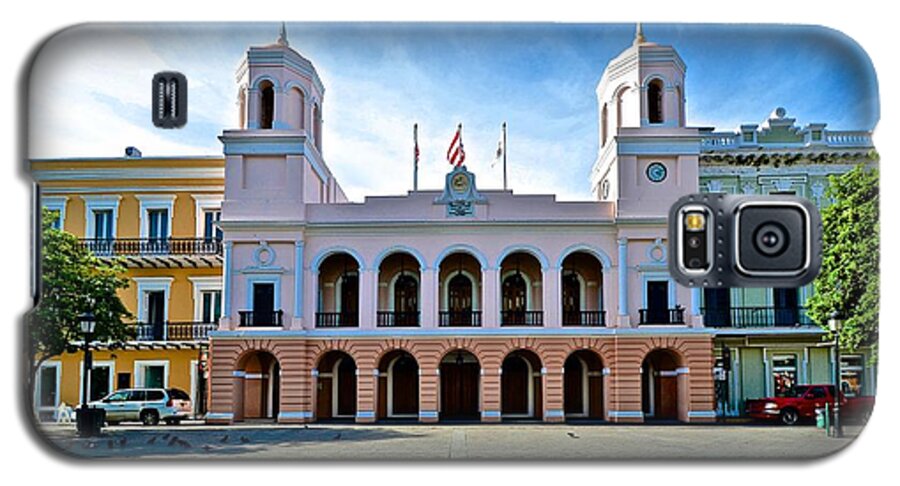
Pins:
x: 261, y: 319
x: 173, y: 331
x: 662, y: 316
x: 152, y: 246
x: 459, y: 319
x: 584, y: 318
x: 337, y: 319
x: 749, y: 317
x: 398, y: 319
x: 521, y: 318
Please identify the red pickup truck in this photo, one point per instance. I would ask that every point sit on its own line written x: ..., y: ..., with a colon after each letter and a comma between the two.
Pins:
x: 802, y: 402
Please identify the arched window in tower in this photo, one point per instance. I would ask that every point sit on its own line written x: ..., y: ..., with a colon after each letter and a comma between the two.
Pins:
x: 604, y: 123
x: 317, y: 127
x: 655, y: 101
x: 299, y: 101
x: 266, y: 105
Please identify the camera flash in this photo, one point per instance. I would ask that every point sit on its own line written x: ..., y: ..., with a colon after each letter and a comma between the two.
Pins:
x: 695, y: 221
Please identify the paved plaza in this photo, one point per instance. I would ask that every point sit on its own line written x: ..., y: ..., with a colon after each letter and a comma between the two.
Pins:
x: 466, y: 442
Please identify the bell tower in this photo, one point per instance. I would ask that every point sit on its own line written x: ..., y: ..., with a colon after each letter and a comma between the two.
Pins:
x: 647, y: 157
x: 274, y: 160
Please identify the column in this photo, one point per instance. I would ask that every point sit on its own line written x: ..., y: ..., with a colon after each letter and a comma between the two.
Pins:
x: 553, y: 394
x: 227, y: 285
x: 366, y: 389
x: 298, y: 285
x: 252, y: 108
x: 368, y: 301
x: 490, y: 297
x: 430, y: 299
x: 696, y: 319
x: 551, y: 296
x: 312, y: 296
x: 429, y: 384
x: 279, y: 121
x: 490, y: 394
x: 623, y: 281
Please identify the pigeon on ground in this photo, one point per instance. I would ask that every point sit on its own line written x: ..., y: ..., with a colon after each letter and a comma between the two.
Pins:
x: 183, y: 443
x: 166, y: 436
x: 244, y: 440
x: 337, y: 437
x: 224, y: 439
x: 152, y: 440
x: 173, y: 440
x: 573, y: 435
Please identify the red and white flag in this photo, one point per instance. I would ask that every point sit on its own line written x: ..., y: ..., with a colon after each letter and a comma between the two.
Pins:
x: 456, y: 155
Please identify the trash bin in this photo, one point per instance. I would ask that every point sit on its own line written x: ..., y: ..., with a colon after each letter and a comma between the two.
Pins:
x: 820, y: 418
x: 89, y: 421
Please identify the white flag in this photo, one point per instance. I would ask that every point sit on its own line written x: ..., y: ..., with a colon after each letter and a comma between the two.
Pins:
x: 498, y: 156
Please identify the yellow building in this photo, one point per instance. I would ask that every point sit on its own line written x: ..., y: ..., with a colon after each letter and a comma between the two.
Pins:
x: 158, y: 214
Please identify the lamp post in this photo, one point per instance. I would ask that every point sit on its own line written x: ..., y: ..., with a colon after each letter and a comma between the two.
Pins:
x: 88, y: 420
x: 834, y: 324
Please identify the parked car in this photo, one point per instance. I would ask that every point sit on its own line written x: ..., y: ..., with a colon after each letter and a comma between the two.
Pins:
x: 803, y: 400
x: 147, y: 405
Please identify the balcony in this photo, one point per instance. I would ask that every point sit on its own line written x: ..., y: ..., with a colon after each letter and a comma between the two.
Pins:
x: 337, y: 319
x: 459, y: 319
x: 521, y: 318
x: 398, y: 319
x: 173, y: 331
x: 662, y: 316
x: 584, y: 318
x: 159, y: 252
x: 756, y: 317
x: 261, y: 319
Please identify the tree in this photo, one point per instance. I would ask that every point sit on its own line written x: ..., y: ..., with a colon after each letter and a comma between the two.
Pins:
x: 849, y: 280
x: 72, y: 282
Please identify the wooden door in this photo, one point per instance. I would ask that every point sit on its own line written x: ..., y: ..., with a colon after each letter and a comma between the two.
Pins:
x: 346, y: 382
x: 667, y: 397
x: 573, y: 383
x: 459, y: 390
x: 323, y: 399
x: 405, y: 386
x: 514, y: 386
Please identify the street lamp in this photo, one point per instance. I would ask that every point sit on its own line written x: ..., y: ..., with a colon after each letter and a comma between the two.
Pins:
x: 834, y: 324
x: 88, y: 420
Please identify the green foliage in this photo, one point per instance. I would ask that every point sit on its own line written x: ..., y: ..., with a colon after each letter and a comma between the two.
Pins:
x: 849, y: 281
x: 73, y: 281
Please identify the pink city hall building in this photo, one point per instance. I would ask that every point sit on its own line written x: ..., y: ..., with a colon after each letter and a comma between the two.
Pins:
x: 457, y: 303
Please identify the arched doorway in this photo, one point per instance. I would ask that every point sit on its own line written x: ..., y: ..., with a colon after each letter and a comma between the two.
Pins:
x: 520, y: 385
x: 659, y: 385
x: 460, y: 286
x: 521, y: 302
x: 583, y: 385
x: 398, y: 386
x: 460, y: 386
x: 259, y: 386
x: 336, y: 388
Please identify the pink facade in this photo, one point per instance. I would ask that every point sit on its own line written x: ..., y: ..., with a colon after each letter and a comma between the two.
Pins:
x: 489, y: 286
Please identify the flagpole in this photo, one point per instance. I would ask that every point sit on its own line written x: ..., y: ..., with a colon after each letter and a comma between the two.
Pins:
x: 416, y: 157
x: 504, y: 155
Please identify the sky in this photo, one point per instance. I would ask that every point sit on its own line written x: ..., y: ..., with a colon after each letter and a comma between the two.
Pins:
x: 89, y: 91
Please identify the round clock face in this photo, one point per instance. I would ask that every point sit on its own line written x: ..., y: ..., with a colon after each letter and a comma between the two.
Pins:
x: 657, y: 172
x: 460, y: 183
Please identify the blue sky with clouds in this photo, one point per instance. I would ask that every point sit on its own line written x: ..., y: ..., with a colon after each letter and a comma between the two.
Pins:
x: 89, y: 91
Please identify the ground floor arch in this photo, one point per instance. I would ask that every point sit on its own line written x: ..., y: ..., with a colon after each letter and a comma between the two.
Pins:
x: 257, y: 386
x: 583, y: 392
x: 520, y: 386
x: 398, y: 386
x: 460, y: 390
x: 659, y: 385
x: 336, y: 386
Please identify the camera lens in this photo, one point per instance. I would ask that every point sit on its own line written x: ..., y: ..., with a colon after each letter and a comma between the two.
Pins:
x: 694, y: 242
x: 695, y: 263
x: 771, y: 239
